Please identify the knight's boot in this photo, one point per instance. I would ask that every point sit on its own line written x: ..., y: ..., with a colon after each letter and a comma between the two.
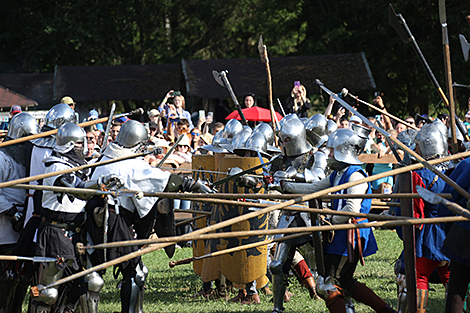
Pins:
x: 335, y: 301
x: 350, y: 308
x: 360, y: 292
x: 422, y: 300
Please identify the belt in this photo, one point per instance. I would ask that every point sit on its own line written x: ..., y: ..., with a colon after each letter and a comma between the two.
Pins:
x: 352, y: 234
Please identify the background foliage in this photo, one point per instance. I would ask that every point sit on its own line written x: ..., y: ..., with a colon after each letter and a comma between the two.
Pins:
x: 37, y: 35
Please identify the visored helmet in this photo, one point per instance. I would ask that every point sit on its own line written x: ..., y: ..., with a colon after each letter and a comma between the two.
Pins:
x: 217, y: 142
x: 131, y: 134
x: 58, y: 115
x: 317, y: 128
x: 431, y: 142
x: 346, y: 146
x: 70, y: 133
x: 407, y: 137
x: 22, y: 124
x: 293, y: 137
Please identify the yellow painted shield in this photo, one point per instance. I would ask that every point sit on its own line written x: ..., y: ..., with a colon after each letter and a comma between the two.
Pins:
x: 243, y: 266
x: 201, y: 163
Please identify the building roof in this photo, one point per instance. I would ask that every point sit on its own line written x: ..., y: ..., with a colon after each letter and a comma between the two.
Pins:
x: 37, y: 87
x: 120, y: 82
x: 249, y: 75
x: 9, y: 98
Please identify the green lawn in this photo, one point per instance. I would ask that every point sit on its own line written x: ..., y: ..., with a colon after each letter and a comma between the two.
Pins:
x: 169, y: 290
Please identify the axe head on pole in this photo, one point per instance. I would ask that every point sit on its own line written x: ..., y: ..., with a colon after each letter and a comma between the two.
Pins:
x: 218, y: 78
x: 465, y: 46
x: 398, y: 23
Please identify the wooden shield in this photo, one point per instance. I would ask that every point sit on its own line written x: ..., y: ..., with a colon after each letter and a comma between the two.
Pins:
x: 201, y: 163
x: 247, y: 265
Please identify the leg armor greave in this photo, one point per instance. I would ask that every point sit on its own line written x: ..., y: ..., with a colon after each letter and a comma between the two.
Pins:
x: 44, y: 299
x: 402, y: 294
x: 132, y: 290
x: 90, y: 300
x: 276, y: 267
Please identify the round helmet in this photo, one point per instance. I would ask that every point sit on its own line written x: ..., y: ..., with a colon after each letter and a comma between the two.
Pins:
x: 286, y: 119
x: 407, y: 137
x: 430, y: 141
x: 331, y: 127
x: 362, y: 132
x: 346, y: 146
x: 58, y: 115
x: 238, y: 140
x: 293, y: 138
x: 70, y: 134
x: 131, y: 134
x: 316, y: 128
x: 256, y: 142
x: 231, y: 128
x: 267, y: 131
x: 22, y: 124
x: 217, y: 142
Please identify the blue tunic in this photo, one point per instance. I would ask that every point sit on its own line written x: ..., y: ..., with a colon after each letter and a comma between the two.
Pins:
x: 339, y: 244
x: 428, y: 237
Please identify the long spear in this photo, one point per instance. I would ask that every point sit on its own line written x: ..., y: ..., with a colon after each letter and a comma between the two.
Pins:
x: 54, y: 131
x: 238, y: 219
x: 380, y: 110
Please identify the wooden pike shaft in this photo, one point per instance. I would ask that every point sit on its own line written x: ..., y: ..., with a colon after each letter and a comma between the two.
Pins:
x: 290, y: 230
x: 384, y: 112
x: 189, y: 220
x: 70, y: 170
x: 214, y: 198
x: 244, y: 217
x: 235, y: 249
x: 50, y: 132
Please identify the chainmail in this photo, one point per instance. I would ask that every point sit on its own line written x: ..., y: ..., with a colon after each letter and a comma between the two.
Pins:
x: 17, y: 152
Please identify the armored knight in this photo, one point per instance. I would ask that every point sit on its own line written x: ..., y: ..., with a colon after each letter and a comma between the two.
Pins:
x: 340, y: 255
x: 430, y: 143
x: 131, y: 217
x: 13, y: 286
x: 62, y: 216
x: 297, y: 163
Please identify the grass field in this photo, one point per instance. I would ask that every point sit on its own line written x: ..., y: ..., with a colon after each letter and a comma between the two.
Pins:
x: 170, y: 290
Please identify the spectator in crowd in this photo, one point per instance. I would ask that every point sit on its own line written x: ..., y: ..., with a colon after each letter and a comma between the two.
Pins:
x: 298, y: 102
x: 153, y: 115
x: 114, y: 131
x: 91, y: 146
x: 444, y: 117
x: 195, y: 138
x: 15, y: 109
x: 400, y: 127
x: 249, y: 100
x: 93, y: 115
x: 72, y: 104
x: 206, y: 121
x: 343, y: 123
x: 410, y: 120
x: 217, y: 126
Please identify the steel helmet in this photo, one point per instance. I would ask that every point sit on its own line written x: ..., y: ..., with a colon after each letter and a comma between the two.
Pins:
x: 293, y: 137
x: 131, y: 134
x: 363, y: 133
x: 238, y: 140
x: 256, y: 142
x: 22, y: 124
x: 346, y: 145
x: 317, y: 128
x: 407, y: 137
x: 430, y: 141
x: 331, y: 127
x: 58, y: 115
x: 231, y: 128
x: 217, y: 141
x: 70, y: 134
